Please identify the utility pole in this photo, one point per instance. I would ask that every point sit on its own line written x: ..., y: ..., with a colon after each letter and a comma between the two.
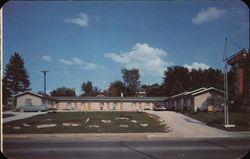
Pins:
x: 226, y: 117
x: 226, y: 112
x: 44, y: 91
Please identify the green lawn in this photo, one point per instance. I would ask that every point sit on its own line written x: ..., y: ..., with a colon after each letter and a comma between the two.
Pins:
x: 80, y: 118
x: 241, y: 120
x: 7, y: 108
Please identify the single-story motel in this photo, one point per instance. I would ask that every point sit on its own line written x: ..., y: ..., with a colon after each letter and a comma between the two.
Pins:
x: 200, y: 99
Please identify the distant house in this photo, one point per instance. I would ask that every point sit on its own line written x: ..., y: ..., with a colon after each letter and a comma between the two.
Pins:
x: 197, y: 99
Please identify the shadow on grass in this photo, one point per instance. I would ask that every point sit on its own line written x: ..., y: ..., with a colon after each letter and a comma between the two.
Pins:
x: 193, y: 121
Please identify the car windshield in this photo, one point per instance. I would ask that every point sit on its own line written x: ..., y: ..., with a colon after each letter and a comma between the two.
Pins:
x: 159, y: 104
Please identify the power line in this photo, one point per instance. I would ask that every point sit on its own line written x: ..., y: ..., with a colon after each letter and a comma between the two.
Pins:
x: 235, y: 44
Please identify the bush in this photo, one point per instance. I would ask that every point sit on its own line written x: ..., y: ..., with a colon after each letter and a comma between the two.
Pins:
x: 198, y: 110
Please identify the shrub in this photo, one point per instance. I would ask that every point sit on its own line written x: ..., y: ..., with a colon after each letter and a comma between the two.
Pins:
x: 198, y: 110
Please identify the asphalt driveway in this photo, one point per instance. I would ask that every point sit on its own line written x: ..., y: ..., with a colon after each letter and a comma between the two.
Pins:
x: 182, y: 126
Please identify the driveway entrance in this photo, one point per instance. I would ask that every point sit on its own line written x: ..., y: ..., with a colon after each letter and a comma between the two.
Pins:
x: 182, y: 126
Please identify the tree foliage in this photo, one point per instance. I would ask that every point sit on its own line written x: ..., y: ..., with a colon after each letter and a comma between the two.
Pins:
x: 154, y: 90
x: 89, y: 89
x: 116, y: 88
x: 178, y: 79
x: 131, y: 80
x: 16, y: 78
x: 206, y: 78
x: 63, y: 92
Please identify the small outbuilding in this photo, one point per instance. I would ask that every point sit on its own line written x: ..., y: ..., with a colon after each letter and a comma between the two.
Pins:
x: 29, y: 98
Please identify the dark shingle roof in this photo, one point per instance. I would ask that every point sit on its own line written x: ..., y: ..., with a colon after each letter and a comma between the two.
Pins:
x: 129, y: 99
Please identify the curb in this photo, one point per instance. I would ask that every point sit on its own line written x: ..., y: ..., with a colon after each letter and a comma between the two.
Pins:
x: 89, y: 136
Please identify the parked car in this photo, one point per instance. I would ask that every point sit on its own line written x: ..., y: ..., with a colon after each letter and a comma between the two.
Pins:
x: 159, y: 106
x: 32, y: 108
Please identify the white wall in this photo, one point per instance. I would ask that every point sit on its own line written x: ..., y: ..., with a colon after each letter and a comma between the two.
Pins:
x: 95, y: 106
x: 202, y: 101
x: 21, y: 100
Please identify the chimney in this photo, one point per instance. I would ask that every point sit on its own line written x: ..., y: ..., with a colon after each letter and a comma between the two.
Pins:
x: 121, y: 94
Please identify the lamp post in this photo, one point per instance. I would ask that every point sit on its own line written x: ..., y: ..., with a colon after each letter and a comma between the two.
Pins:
x: 44, y: 91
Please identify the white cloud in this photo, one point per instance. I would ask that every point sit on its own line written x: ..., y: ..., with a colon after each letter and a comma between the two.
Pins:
x: 82, y: 64
x: 82, y: 20
x: 196, y: 65
x: 208, y: 15
x: 47, y: 58
x: 66, y: 62
x: 76, y: 61
x: 92, y: 66
x: 143, y: 57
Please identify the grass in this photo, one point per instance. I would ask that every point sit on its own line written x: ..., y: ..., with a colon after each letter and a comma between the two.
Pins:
x: 7, y: 115
x: 7, y: 108
x: 80, y: 117
x: 240, y: 120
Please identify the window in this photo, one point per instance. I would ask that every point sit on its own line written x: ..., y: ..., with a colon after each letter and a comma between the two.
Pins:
x: 28, y: 101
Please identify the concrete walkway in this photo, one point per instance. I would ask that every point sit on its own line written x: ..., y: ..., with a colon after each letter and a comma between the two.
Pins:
x: 20, y: 115
x: 182, y: 126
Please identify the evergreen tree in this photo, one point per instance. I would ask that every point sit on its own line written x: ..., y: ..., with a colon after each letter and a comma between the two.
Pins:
x: 16, y: 78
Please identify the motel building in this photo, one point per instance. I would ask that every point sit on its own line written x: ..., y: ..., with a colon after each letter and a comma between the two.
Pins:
x: 201, y: 98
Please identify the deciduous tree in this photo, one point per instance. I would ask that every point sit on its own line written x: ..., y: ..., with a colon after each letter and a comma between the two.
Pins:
x: 89, y: 89
x: 116, y: 88
x: 63, y: 92
x: 131, y: 80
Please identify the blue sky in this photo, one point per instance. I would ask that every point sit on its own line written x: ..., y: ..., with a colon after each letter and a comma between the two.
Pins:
x: 93, y: 41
